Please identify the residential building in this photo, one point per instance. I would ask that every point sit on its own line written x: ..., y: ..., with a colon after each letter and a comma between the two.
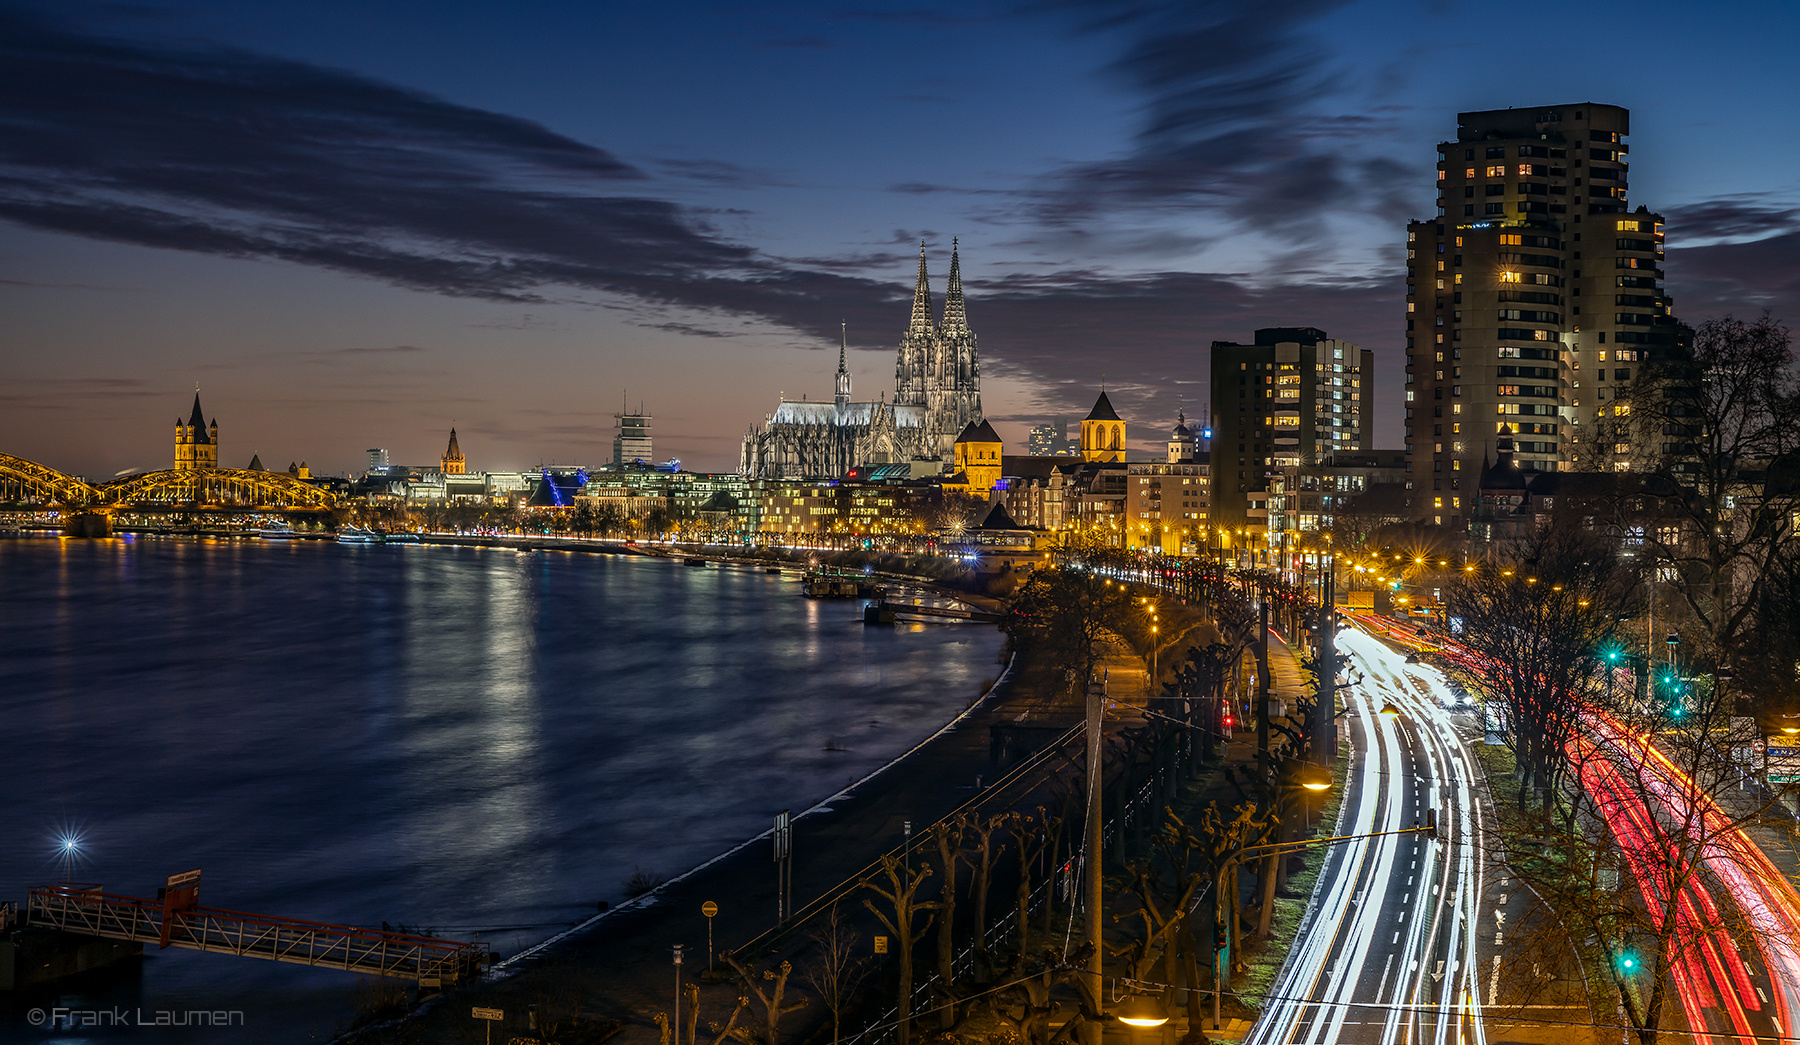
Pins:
x: 1294, y: 397
x: 1531, y: 299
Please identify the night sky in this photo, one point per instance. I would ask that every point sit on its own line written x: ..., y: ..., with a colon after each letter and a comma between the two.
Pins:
x: 356, y: 224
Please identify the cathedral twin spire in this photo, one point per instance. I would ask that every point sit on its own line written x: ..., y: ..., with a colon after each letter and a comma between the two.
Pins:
x: 955, y: 317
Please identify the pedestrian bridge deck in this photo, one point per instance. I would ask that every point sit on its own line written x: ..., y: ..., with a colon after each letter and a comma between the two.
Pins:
x: 87, y: 911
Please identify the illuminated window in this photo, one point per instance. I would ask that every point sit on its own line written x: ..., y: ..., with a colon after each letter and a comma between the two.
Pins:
x: 1459, y: 279
x: 1440, y: 174
x: 1497, y: 171
x: 1511, y: 239
x: 1510, y: 277
x: 1438, y: 502
x: 1524, y: 169
x: 1456, y: 502
x: 1468, y: 172
x: 1628, y: 226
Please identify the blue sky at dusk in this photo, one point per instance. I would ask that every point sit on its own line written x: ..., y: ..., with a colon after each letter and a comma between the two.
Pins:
x: 356, y: 224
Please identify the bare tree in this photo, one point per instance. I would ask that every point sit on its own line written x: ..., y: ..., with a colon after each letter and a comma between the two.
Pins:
x: 1718, y: 423
x: 770, y: 999
x: 1536, y: 625
x: 901, y: 919
x: 980, y: 857
x: 838, y: 971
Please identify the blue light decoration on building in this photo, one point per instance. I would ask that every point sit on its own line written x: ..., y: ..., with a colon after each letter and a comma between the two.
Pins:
x: 558, y: 491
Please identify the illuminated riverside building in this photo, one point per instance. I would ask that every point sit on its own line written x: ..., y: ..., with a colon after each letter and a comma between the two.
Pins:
x: 1168, y: 503
x: 196, y: 443
x: 937, y: 395
x: 1531, y: 300
x: 1294, y: 398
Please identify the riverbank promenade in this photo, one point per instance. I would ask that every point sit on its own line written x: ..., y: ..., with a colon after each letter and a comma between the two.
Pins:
x: 621, y: 966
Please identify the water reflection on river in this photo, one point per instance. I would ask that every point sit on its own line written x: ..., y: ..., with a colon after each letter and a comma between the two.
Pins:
x: 477, y: 741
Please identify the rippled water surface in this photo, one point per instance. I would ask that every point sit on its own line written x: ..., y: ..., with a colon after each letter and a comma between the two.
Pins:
x: 479, y: 741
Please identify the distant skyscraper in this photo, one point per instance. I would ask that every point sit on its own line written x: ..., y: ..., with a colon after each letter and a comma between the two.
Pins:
x: 1530, y: 300
x: 196, y: 444
x: 1293, y: 398
x: 378, y: 460
x: 1051, y: 440
x: 632, y: 441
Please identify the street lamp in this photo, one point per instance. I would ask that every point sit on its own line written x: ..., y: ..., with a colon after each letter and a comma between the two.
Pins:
x: 1141, y: 1010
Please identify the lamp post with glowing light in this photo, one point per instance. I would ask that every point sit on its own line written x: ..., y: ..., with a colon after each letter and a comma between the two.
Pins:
x: 68, y: 849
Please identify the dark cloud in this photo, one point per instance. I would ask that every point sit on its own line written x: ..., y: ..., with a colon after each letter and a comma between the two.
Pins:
x: 1747, y: 258
x: 1732, y: 218
x: 381, y: 351
x: 225, y: 152
x: 1739, y: 278
x: 722, y: 174
x: 1230, y: 119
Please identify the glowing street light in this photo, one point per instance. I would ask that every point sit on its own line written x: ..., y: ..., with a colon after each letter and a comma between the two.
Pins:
x: 69, y: 848
x: 1141, y: 1010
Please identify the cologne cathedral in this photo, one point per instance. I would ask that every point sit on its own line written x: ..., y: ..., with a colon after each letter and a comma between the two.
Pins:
x: 937, y: 394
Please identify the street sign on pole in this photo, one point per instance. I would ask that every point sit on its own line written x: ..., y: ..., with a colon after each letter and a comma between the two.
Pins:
x: 711, y: 911
x: 490, y: 1015
x: 784, y: 864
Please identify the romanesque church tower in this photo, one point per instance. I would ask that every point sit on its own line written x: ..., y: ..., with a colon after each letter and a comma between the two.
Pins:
x: 196, y: 444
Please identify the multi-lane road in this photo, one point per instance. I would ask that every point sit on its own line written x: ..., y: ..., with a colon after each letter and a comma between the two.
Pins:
x: 1392, y: 947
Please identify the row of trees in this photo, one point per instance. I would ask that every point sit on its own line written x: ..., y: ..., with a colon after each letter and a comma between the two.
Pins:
x: 1631, y: 785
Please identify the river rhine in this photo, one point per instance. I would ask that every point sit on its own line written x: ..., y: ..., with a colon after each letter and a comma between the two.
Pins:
x: 483, y: 743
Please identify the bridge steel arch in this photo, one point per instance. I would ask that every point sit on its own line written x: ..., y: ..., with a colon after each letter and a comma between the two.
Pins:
x: 27, y: 482
x: 214, y: 488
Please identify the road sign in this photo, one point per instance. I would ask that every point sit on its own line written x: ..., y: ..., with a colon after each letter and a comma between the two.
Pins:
x: 487, y: 1014
x: 709, y: 908
x: 183, y: 878
x: 881, y: 945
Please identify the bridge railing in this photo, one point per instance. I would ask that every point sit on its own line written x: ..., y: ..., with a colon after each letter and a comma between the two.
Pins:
x: 90, y: 912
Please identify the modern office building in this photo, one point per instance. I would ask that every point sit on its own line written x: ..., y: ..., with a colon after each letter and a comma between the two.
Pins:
x: 1051, y: 440
x: 1531, y: 299
x: 631, y: 443
x: 1294, y: 397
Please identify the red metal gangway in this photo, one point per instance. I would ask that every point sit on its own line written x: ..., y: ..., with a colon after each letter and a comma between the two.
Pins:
x: 88, y: 911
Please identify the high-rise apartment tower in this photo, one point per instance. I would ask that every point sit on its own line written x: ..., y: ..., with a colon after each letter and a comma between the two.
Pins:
x: 1293, y: 398
x: 1530, y: 300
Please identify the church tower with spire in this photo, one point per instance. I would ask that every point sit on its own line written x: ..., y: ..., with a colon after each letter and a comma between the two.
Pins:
x: 843, y: 374
x: 962, y: 363
x: 910, y: 369
x: 196, y: 443
x: 452, y: 463
x: 937, y: 397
